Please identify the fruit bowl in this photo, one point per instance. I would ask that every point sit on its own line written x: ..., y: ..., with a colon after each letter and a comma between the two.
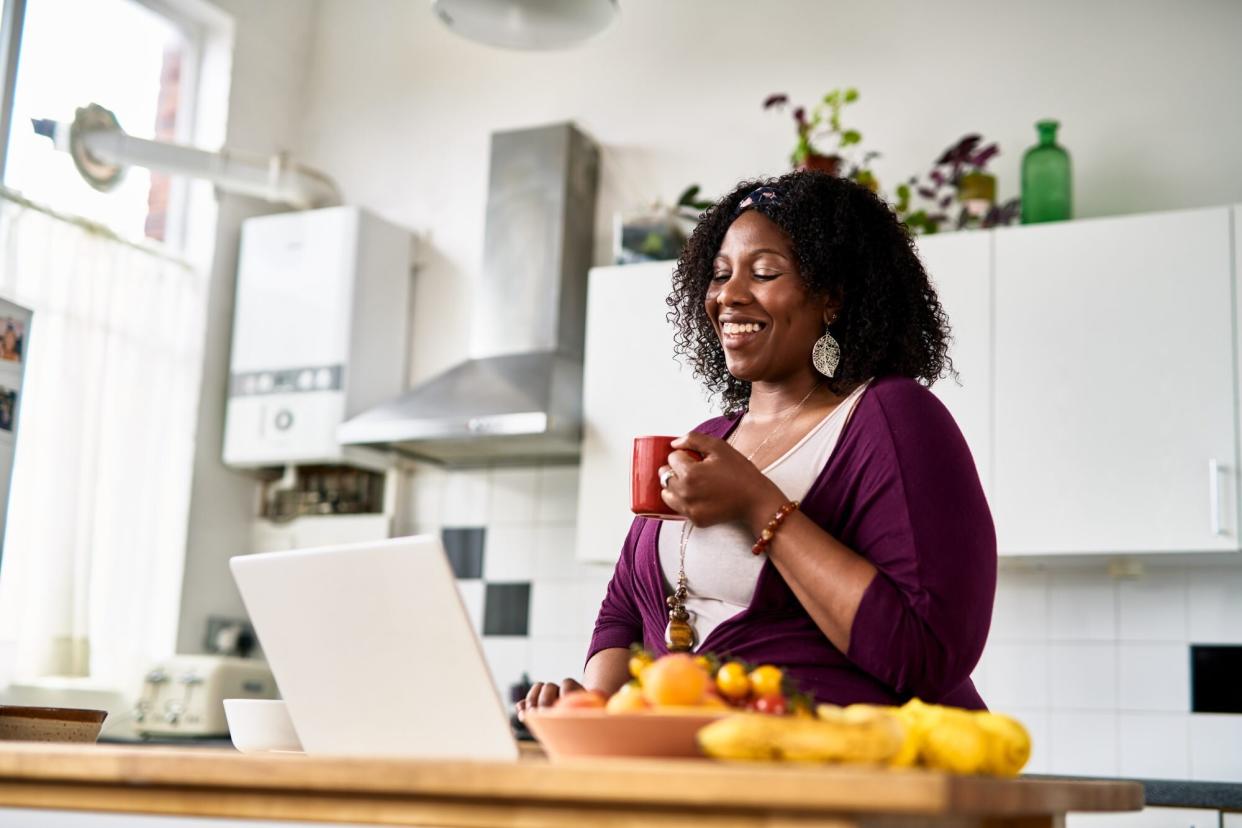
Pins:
x: 662, y: 732
x: 50, y: 724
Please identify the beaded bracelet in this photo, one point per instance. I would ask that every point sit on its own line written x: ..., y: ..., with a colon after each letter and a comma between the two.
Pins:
x: 769, y: 531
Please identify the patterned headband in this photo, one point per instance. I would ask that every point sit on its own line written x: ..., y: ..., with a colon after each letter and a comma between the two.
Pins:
x: 760, y: 198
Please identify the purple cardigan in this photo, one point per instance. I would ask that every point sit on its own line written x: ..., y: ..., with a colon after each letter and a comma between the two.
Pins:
x: 900, y: 489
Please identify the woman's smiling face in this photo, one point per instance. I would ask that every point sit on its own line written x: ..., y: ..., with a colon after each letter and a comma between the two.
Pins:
x: 763, y: 314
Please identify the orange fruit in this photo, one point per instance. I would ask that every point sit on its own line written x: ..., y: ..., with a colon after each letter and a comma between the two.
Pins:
x: 765, y: 680
x: 638, y: 663
x: 675, y: 680
x: 580, y: 700
x: 629, y: 699
x: 732, y: 682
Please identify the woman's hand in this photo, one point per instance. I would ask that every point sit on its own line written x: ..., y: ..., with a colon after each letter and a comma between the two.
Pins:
x: 545, y: 694
x: 723, y: 486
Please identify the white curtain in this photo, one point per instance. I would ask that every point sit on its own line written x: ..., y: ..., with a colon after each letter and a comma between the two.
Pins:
x: 90, y: 578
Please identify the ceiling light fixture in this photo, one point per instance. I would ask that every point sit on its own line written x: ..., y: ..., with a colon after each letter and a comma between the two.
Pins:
x: 530, y: 25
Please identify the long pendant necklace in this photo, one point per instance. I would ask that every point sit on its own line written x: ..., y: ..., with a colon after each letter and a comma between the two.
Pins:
x: 679, y: 635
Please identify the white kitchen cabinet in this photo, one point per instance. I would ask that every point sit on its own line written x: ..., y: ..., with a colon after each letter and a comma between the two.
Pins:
x: 632, y: 386
x: 960, y: 267
x: 1115, y: 385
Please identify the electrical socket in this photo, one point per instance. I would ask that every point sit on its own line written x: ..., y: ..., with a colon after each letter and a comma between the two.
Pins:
x: 229, y: 636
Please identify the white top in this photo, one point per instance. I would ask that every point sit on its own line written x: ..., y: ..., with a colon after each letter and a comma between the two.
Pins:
x: 721, y: 571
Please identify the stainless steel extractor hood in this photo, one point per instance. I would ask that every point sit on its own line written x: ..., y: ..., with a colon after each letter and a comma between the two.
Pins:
x: 519, y: 398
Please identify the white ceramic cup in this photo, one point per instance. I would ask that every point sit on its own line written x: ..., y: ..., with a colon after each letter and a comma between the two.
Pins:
x: 260, y: 725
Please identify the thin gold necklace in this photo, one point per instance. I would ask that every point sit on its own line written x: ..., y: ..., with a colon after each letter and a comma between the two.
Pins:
x: 679, y: 635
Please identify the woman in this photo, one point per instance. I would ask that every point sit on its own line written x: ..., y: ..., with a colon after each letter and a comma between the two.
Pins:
x: 801, y: 302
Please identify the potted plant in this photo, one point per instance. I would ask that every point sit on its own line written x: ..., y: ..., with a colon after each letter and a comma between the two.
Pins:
x: 959, y: 175
x: 659, y: 232
x: 821, y: 138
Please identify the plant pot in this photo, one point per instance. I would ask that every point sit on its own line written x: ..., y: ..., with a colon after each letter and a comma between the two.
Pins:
x: 647, y: 236
x: 830, y: 164
x: 977, y: 192
x: 866, y: 178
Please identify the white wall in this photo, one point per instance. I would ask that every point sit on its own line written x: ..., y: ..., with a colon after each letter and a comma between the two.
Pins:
x: 400, y: 110
x: 270, y: 55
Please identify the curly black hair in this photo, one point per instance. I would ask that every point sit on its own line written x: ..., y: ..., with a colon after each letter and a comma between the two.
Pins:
x: 849, y: 246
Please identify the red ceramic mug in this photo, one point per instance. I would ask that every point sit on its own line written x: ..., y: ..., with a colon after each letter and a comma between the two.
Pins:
x: 650, y: 453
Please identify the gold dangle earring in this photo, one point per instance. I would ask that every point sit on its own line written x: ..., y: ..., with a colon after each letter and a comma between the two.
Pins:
x: 826, y: 355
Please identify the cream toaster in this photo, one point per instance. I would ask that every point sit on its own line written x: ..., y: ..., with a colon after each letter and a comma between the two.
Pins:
x: 183, y: 695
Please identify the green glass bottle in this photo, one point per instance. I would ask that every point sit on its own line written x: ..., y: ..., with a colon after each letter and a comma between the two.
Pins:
x: 1046, y: 190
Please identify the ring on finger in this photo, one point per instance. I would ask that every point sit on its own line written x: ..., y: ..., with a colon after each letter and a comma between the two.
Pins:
x: 666, y: 474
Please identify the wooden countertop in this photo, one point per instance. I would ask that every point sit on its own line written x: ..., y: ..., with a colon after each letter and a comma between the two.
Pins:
x: 529, y: 792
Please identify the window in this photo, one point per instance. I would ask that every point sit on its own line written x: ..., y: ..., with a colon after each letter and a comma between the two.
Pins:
x: 90, y: 575
x: 124, y: 57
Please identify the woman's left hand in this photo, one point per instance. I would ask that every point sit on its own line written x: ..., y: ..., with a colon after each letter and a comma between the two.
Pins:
x: 723, y: 486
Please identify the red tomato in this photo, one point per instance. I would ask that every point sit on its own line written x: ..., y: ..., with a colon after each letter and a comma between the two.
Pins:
x: 773, y: 705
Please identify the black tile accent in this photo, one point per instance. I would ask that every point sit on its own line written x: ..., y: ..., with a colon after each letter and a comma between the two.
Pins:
x: 1215, y: 678
x: 464, y: 547
x: 506, y: 609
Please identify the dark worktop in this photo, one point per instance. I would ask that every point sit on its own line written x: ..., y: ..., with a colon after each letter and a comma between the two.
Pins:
x: 1179, y: 793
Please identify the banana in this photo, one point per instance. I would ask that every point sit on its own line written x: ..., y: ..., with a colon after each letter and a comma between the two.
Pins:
x: 928, y: 735
x: 955, y: 742
x: 873, y: 739
x: 746, y: 737
x: 1009, y: 744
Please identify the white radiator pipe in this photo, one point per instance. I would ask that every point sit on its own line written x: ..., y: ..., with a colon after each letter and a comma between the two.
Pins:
x: 273, y: 179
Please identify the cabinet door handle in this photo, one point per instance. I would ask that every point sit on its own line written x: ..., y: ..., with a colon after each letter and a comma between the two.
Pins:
x: 1215, y: 470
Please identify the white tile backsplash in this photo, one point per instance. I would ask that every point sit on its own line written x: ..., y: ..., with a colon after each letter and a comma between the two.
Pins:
x: 1154, y: 677
x: 1021, y: 609
x: 564, y: 609
x: 1216, y: 606
x: 556, y: 558
x: 1084, y: 676
x: 508, y: 657
x: 1084, y: 743
x: 590, y: 597
x: 558, y: 494
x: 472, y: 596
x: 1216, y: 747
x: 514, y: 496
x: 1153, y: 608
x: 509, y: 553
x: 1016, y: 675
x: 426, y: 488
x: 1155, y: 745
x: 1083, y: 606
x: 551, y: 605
x: 1117, y: 685
x: 465, y: 498
x: 1039, y: 726
x: 554, y: 660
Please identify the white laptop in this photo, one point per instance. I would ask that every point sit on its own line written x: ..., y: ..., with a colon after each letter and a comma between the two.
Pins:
x: 374, y: 652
